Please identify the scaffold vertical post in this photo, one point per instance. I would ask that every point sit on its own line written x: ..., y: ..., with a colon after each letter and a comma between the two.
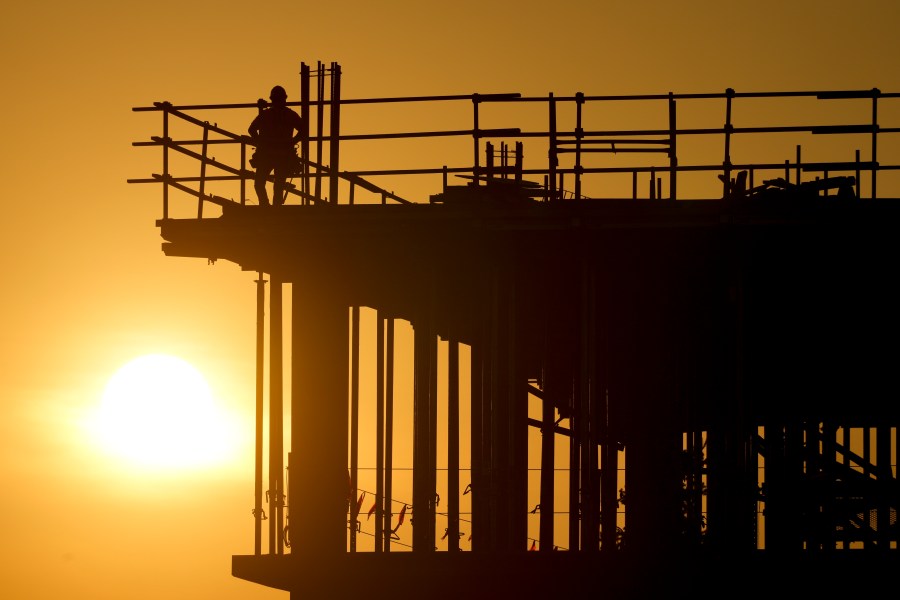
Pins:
x: 276, y: 416
x: 875, y: 93
x: 548, y: 484
x: 726, y: 163
x: 587, y: 406
x: 673, y: 154
x: 476, y: 138
x: 579, y: 134
x: 335, y: 133
x: 304, y: 134
x: 165, y: 149
x: 379, y: 432
x: 320, y: 124
x: 519, y: 157
x: 388, y: 432
x: 477, y: 461
x: 203, y: 154
x: 260, y: 374
x: 551, y: 151
x: 453, y: 445
x: 354, y: 424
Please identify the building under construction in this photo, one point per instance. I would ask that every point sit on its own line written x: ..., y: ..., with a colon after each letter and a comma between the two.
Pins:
x: 647, y: 361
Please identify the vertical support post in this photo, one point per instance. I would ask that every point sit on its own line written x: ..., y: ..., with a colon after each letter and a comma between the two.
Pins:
x: 453, y: 445
x: 867, y: 471
x: 388, y: 433
x: 488, y: 160
x: 500, y: 461
x: 476, y: 136
x: 585, y: 421
x: 608, y: 483
x: 354, y: 424
x: 894, y: 472
x: 548, y: 460
x: 319, y: 427
x: 260, y: 369
x: 320, y: 125
x: 304, y: 133
x: 423, y: 439
x: 574, y: 471
x: 432, y: 434
x: 335, y: 130
x: 829, y: 455
x: 420, y: 452
x: 379, y: 433
x: 875, y: 93
x: 551, y: 152
x: 516, y: 398
x: 166, y: 106
x: 519, y: 157
x: 797, y: 167
x: 479, y: 490
x: 579, y: 134
x: 205, y: 147
x: 673, y: 153
x: 276, y: 416
x: 729, y: 94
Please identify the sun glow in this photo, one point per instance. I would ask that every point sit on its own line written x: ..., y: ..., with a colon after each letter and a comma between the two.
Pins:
x: 157, y: 411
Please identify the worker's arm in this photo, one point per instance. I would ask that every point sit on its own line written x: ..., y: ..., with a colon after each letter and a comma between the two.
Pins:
x: 254, y: 125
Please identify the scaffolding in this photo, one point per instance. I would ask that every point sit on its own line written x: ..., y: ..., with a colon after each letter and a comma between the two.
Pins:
x: 707, y: 361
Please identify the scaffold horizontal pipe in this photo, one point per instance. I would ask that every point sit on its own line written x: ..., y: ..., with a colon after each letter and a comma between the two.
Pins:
x: 846, y: 94
x: 211, y: 161
x: 614, y: 141
x: 609, y: 150
x: 516, y: 97
x: 455, y: 97
x: 185, y: 142
x: 704, y: 96
x: 506, y: 131
x: 249, y: 175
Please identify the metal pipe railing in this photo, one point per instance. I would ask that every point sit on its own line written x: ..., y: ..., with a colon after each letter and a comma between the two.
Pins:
x: 580, y: 141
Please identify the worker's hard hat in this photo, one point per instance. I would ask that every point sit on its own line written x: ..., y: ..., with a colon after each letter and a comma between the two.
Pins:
x: 278, y: 93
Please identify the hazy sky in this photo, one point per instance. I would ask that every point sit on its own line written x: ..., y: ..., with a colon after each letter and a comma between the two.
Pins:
x: 87, y: 288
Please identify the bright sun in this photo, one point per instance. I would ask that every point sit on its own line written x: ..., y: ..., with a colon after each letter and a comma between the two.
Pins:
x: 158, y: 411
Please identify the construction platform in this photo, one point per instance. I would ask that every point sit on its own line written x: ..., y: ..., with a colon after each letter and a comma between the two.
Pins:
x: 714, y: 373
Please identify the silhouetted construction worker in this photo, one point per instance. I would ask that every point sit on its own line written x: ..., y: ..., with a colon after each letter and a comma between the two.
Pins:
x: 272, y: 132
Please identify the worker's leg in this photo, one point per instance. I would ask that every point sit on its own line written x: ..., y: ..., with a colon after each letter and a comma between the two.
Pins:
x: 259, y: 182
x: 281, y: 175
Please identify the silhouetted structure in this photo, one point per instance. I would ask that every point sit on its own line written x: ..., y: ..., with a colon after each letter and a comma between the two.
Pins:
x: 717, y: 370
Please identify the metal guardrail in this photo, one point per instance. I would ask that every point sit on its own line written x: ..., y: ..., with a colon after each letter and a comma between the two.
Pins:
x: 571, y: 149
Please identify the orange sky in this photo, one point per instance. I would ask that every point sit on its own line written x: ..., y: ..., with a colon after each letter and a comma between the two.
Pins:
x: 87, y: 287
